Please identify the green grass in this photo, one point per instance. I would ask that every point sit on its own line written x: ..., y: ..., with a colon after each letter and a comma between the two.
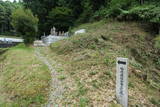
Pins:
x: 83, y: 102
x: 24, y: 80
x: 61, y: 77
x: 10, y: 37
x: 157, y: 42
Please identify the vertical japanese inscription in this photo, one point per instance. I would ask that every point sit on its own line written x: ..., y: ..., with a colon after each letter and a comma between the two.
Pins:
x: 122, y: 81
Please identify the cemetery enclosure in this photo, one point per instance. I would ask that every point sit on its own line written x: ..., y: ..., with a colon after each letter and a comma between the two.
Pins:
x: 54, y: 36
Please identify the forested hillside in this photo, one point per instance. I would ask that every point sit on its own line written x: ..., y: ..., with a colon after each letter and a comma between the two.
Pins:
x: 65, y: 13
x: 6, y: 9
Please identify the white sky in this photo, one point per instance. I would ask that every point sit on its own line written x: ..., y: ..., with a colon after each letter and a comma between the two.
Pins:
x: 9, y: 0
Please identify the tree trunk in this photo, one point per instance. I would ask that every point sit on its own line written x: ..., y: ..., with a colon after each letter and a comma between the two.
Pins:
x: 2, y: 28
x: 159, y: 29
x: 141, y: 2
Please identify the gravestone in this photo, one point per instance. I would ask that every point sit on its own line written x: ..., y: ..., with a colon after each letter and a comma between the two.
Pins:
x: 53, y: 31
x: 122, y: 81
x: 66, y: 34
x: 56, y: 34
x: 62, y: 33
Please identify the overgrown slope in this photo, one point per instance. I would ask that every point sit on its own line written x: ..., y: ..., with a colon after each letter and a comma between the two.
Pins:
x: 90, y: 59
x: 24, y: 80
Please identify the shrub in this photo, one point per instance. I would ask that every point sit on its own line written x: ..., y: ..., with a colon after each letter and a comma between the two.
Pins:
x: 100, y: 14
x: 86, y: 14
x: 25, y: 23
x: 116, y: 7
x: 157, y: 42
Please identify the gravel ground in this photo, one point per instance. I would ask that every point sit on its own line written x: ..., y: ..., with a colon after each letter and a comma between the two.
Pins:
x: 56, y: 86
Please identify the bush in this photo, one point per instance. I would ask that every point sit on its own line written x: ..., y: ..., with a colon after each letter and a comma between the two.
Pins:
x: 25, y: 23
x: 100, y: 14
x: 87, y: 13
x: 132, y: 10
x: 157, y: 42
x: 113, y: 9
x: 116, y: 7
x: 146, y: 13
x: 149, y: 13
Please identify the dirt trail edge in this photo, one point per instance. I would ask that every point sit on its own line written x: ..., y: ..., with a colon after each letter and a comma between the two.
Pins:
x: 56, y: 86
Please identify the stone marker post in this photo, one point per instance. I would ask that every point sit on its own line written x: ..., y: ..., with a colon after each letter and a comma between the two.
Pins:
x: 122, y: 81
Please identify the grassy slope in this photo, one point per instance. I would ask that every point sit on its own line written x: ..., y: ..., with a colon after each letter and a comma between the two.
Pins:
x: 3, y: 36
x: 23, y: 79
x: 90, y: 58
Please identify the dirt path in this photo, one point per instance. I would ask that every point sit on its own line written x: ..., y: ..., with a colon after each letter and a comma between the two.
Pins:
x: 57, y: 88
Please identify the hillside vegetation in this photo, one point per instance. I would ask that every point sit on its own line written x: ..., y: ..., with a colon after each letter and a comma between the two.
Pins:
x: 89, y: 60
x: 24, y: 80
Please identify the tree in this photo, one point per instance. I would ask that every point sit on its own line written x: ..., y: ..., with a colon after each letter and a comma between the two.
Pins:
x: 6, y: 9
x: 61, y: 18
x: 2, y: 18
x: 25, y: 23
x: 141, y: 2
x: 96, y: 4
x: 41, y: 8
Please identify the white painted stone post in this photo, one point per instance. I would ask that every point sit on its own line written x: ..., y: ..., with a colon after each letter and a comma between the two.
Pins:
x: 122, y: 81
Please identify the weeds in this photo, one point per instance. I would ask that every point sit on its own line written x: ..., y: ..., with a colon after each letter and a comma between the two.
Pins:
x: 93, y: 73
x: 62, y: 77
x: 83, y: 102
x: 155, y: 102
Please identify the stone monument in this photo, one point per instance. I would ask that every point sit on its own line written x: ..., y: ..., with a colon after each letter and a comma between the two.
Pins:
x: 53, y: 31
x: 60, y: 34
x: 66, y: 34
